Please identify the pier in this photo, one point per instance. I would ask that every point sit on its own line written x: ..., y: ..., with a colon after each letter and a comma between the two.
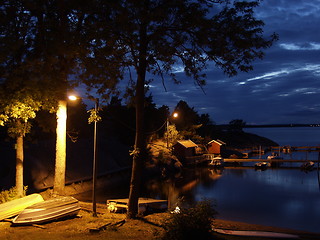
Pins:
x: 298, y: 149
x: 243, y: 160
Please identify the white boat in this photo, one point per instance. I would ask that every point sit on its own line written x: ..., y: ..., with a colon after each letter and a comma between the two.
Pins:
x: 14, y: 207
x: 47, y: 211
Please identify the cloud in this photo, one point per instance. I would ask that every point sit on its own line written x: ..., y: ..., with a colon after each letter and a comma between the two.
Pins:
x: 298, y: 47
x: 284, y: 87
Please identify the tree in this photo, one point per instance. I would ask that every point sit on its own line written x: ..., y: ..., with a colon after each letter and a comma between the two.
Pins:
x: 171, y: 135
x: 237, y: 125
x: 16, y: 115
x: 154, y: 36
x: 41, y: 44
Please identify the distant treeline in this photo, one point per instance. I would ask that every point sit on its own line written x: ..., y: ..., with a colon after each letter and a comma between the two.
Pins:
x: 281, y: 125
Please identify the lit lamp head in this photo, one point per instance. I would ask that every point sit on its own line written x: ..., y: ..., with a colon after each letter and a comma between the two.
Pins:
x: 72, y: 98
x: 175, y: 115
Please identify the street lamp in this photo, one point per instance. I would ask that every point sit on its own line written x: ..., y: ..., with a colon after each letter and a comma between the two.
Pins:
x: 174, y: 115
x: 95, y: 156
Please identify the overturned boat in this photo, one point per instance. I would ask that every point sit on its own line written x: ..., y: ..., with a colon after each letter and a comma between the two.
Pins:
x: 14, y: 207
x: 48, y: 211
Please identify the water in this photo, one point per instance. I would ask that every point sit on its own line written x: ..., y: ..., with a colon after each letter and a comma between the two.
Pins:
x: 282, y: 197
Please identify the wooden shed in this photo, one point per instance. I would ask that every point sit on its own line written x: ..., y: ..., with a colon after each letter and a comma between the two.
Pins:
x: 215, y: 146
x: 184, y: 148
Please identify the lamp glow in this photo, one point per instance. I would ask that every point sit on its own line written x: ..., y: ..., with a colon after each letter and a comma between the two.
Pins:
x: 72, y: 98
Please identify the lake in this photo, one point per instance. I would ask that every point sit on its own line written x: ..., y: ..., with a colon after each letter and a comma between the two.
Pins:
x: 283, y: 197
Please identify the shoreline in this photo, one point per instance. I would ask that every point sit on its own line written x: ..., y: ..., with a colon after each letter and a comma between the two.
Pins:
x: 243, y: 226
x: 147, y: 227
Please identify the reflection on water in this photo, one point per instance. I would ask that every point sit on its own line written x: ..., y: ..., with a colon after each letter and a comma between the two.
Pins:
x: 277, y: 197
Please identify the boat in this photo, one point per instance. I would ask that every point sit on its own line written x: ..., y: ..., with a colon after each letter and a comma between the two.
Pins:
x: 48, y: 211
x: 255, y: 233
x: 307, y: 166
x: 262, y: 165
x: 14, y: 207
x: 216, y: 162
x: 274, y: 157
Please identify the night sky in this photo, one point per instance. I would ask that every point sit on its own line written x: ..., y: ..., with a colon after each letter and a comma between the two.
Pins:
x: 284, y: 87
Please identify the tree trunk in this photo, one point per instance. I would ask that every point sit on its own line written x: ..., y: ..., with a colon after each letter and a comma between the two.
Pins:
x: 60, y: 164
x: 19, y: 166
x: 140, y: 142
x: 138, y: 156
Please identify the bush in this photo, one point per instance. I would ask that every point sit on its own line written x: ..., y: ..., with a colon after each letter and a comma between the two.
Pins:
x: 11, y: 194
x: 190, y: 223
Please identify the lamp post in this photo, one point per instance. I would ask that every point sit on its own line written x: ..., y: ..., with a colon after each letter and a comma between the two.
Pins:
x: 95, y: 156
x: 94, y: 173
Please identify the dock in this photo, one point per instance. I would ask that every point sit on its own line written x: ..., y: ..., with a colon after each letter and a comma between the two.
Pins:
x: 144, y: 204
x: 243, y: 160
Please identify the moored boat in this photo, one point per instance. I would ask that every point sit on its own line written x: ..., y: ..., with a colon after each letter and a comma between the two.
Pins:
x: 274, y: 157
x: 307, y: 166
x: 14, y: 207
x: 216, y: 162
x: 48, y: 210
x: 262, y: 165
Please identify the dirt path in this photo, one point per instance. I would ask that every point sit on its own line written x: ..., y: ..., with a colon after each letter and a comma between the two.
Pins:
x: 118, y: 228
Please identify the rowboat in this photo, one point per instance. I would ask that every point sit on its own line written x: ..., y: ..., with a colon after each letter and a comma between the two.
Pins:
x: 14, y: 207
x: 255, y: 233
x: 48, y: 211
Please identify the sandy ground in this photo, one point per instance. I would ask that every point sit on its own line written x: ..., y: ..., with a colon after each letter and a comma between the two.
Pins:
x: 86, y: 227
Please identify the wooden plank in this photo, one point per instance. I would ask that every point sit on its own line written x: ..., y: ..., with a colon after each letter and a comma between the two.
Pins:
x: 115, y: 205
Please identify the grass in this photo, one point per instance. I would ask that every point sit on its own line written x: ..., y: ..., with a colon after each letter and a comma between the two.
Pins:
x: 11, y: 194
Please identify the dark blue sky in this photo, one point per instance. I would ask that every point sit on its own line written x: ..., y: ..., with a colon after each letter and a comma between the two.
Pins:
x: 284, y: 87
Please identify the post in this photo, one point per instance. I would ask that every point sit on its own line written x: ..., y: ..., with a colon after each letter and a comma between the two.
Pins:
x: 94, y: 174
x: 167, y: 132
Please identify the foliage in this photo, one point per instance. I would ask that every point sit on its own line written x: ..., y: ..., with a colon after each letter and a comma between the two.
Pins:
x: 11, y: 194
x: 45, y: 42
x: 236, y: 125
x: 172, y: 135
x: 16, y: 113
x: 190, y: 223
x: 94, y: 116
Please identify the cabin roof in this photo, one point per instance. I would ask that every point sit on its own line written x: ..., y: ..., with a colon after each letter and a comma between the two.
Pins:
x: 217, y: 141
x: 187, y: 143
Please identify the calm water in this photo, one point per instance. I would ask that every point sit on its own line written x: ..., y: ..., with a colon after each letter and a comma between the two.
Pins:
x: 284, y: 197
